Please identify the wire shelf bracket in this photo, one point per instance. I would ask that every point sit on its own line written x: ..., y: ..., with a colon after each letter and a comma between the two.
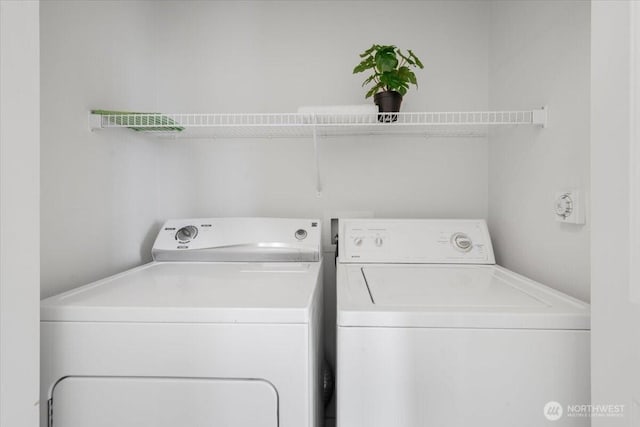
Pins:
x: 316, y: 156
x: 540, y: 117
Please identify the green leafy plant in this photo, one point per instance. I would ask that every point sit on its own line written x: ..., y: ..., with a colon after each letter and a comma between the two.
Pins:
x: 391, y: 69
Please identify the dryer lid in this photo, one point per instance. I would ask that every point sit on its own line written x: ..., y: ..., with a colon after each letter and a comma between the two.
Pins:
x: 195, y: 292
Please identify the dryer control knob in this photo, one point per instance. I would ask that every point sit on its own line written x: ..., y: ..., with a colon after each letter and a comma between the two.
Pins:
x: 461, y: 242
x: 187, y: 234
x: 357, y: 241
x: 379, y: 241
x: 301, y: 234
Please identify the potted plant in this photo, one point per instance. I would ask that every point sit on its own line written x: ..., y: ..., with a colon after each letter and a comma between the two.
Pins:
x: 391, y: 77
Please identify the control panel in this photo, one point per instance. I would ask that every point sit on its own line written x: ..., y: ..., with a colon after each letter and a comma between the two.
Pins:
x: 238, y: 239
x: 415, y: 241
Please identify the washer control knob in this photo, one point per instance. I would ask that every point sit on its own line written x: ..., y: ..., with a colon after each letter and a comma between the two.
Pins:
x: 462, y: 242
x: 301, y: 234
x: 378, y: 241
x: 187, y: 234
x: 357, y: 241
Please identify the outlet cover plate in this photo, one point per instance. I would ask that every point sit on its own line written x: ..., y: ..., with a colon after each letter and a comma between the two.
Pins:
x: 569, y: 207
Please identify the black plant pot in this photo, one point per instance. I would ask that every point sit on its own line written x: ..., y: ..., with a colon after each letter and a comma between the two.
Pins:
x: 388, y: 102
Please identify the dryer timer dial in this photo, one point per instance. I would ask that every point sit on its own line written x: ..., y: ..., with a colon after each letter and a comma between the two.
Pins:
x: 462, y: 242
x: 187, y: 234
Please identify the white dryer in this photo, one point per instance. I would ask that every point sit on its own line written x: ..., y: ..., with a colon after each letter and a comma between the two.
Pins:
x: 221, y: 329
x: 432, y: 333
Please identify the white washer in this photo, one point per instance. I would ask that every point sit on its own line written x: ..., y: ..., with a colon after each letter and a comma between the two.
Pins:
x: 432, y: 333
x: 222, y: 329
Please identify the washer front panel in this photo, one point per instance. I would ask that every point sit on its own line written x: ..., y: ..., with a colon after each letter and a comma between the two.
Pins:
x: 459, y: 377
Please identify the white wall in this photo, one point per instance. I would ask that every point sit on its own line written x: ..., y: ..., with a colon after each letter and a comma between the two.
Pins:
x: 539, y: 55
x: 19, y: 213
x: 98, y: 189
x: 615, y: 316
x: 275, y: 56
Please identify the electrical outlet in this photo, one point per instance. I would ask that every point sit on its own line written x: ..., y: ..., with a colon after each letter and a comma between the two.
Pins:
x: 569, y: 207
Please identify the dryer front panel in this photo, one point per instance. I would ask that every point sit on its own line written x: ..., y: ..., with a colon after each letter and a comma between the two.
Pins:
x: 163, y: 402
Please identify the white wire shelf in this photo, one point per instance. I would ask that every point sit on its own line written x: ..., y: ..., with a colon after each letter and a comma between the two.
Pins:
x: 464, y: 124
x: 314, y: 126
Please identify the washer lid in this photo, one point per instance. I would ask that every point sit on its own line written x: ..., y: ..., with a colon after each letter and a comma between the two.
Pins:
x: 459, y: 296
x: 445, y: 287
x: 178, y: 292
